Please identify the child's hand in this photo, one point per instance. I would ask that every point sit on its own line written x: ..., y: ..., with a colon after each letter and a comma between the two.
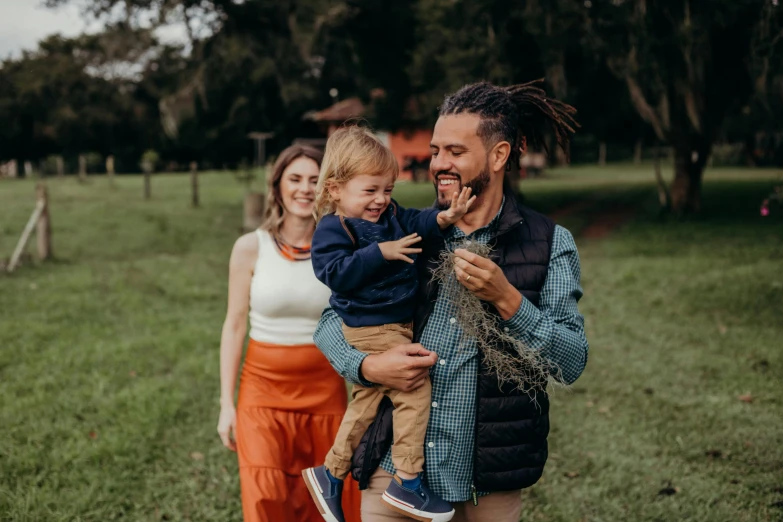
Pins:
x: 460, y: 204
x: 397, y: 250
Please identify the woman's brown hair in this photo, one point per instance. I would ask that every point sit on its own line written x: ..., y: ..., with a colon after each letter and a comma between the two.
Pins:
x: 275, y: 211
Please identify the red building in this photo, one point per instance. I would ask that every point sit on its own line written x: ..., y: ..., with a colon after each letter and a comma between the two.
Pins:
x: 410, y: 147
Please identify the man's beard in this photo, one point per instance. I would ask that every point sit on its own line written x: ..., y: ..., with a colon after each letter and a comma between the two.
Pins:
x: 477, y: 185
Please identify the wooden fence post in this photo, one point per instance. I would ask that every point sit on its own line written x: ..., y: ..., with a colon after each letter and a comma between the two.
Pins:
x: 147, y: 182
x: 194, y: 182
x: 60, y: 166
x: 637, y: 152
x: 82, y: 168
x: 110, y: 169
x: 27, y: 232
x: 28, y: 169
x: 254, y: 210
x: 13, y: 170
x: 44, y: 231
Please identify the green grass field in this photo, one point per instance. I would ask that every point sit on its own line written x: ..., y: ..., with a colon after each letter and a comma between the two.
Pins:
x: 109, y: 354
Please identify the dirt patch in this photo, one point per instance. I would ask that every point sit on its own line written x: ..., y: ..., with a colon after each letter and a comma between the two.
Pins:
x: 603, y: 223
x: 571, y: 209
x: 600, y: 222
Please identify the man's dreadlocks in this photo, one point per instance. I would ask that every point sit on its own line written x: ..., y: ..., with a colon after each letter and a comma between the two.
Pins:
x: 512, y: 114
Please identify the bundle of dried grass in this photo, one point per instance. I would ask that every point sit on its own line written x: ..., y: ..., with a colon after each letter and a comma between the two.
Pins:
x: 509, y: 358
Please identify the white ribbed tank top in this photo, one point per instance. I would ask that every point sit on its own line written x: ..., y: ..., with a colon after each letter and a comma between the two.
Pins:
x: 286, y: 299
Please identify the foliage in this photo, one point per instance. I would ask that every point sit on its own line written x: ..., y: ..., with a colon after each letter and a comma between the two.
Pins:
x: 149, y: 160
x: 773, y: 202
x: 94, y: 161
x: 698, y: 72
x: 50, y: 104
x: 686, y: 65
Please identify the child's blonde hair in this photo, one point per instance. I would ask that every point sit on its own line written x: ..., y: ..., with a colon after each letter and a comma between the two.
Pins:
x: 350, y: 151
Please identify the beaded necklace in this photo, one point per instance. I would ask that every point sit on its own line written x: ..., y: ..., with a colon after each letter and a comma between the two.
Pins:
x: 291, y: 252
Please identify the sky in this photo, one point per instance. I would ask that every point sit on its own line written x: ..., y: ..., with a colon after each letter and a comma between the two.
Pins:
x: 24, y: 22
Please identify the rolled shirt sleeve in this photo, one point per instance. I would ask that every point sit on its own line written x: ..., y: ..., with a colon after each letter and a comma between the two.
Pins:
x: 344, y: 358
x: 556, y: 327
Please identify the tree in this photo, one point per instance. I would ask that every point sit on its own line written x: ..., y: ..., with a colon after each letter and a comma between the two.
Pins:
x: 50, y: 104
x: 465, y: 42
x: 685, y: 65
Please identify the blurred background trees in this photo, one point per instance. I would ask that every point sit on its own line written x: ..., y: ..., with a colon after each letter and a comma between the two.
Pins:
x: 704, y: 80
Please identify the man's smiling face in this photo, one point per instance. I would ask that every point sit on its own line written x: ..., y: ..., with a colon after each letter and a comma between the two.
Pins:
x: 459, y: 157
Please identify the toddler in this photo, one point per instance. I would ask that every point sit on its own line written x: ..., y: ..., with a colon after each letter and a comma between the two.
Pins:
x: 363, y: 249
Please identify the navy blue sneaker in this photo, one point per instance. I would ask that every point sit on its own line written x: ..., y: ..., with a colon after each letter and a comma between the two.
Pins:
x: 418, y: 503
x: 326, y: 493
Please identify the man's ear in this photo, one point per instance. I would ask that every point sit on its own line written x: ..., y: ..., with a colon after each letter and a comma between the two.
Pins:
x: 498, y: 156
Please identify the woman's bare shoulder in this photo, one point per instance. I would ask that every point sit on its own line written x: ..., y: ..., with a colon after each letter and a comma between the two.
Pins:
x: 245, y: 251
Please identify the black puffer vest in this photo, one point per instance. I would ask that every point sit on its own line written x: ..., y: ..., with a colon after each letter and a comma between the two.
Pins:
x: 511, y: 430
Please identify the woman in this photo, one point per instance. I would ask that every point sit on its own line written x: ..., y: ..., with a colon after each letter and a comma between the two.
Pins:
x: 290, y: 401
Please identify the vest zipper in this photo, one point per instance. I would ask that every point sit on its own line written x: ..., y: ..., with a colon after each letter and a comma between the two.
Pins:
x: 473, y: 490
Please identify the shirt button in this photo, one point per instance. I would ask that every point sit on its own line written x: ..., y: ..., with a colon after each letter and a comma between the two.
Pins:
x: 452, y: 320
x: 442, y: 362
x: 505, y: 329
x: 434, y: 404
x: 431, y: 444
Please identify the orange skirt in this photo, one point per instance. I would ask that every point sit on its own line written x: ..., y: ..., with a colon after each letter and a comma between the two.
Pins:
x: 290, y: 406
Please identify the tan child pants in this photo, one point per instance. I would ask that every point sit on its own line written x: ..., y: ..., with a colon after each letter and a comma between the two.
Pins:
x: 411, y: 409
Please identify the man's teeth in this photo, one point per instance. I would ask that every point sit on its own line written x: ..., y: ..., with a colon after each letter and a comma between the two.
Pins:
x: 448, y: 181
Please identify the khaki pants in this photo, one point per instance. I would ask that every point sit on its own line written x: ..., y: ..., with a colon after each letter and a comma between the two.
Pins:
x: 501, y: 506
x: 411, y: 409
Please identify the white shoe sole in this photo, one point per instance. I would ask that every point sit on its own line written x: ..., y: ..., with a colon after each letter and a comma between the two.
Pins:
x: 406, y: 509
x: 318, y: 497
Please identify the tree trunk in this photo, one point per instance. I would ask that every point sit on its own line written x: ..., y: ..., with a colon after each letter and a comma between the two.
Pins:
x: 663, y: 192
x: 82, y: 168
x: 637, y: 152
x: 688, y: 170
x: 44, y: 232
x: 110, y: 169
x: 253, y: 211
x: 194, y: 183
x: 147, y: 184
x: 602, y: 153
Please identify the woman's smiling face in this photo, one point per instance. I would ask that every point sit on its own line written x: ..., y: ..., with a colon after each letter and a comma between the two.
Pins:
x: 297, y: 187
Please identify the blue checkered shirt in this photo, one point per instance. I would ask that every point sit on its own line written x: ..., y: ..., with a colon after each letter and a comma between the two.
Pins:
x: 556, y: 328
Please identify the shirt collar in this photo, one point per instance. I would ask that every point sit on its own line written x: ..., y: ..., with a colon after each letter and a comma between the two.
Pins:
x: 490, y: 228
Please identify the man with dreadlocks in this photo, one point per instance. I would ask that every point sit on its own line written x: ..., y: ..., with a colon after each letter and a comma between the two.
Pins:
x: 486, y: 439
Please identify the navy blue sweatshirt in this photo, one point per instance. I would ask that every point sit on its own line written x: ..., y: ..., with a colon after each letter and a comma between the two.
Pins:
x: 368, y: 290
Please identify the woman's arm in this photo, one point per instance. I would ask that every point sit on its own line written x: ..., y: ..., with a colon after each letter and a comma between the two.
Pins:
x: 240, y: 272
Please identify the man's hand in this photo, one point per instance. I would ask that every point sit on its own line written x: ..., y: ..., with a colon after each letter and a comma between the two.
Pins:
x: 460, y: 204
x: 403, y: 368
x: 397, y: 250
x: 487, y: 281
